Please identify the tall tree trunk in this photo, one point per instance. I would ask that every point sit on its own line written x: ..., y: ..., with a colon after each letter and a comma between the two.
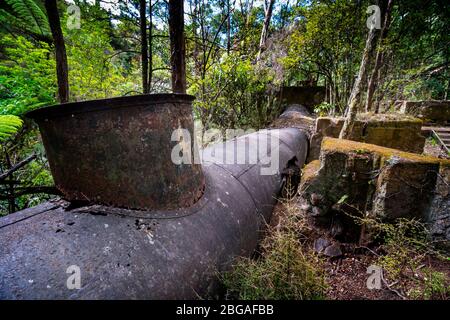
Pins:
x: 265, y: 29
x: 380, y: 97
x: 248, y: 11
x: 62, y: 70
x: 228, y: 27
x: 177, y: 45
x: 150, y: 48
x: 356, y: 91
x: 144, y: 45
x: 194, y: 11
x: 379, y: 57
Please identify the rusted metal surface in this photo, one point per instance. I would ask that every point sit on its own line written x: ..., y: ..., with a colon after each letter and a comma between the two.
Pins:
x: 118, y: 151
x: 134, y: 254
x: 126, y: 257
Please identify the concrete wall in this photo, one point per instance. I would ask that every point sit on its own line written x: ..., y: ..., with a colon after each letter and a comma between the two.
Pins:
x: 392, y: 131
x: 432, y: 111
x: 382, y: 182
x: 308, y: 96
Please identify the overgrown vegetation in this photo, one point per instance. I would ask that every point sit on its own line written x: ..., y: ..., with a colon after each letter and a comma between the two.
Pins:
x: 285, y: 269
x: 9, y: 125
x: 405, y: 247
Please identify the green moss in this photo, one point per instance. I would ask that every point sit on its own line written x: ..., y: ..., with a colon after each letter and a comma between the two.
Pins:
x: 348, y: 146
x: 310, y: 171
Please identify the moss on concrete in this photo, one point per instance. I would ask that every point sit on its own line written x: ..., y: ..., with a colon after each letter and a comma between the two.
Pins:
x: 375, y: 180
x: 310, y: 171
x: 396, y: 131
x: 348, y: 146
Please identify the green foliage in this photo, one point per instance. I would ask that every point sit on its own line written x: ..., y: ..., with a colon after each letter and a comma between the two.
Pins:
x: 406, y: 246
x: 435, y: 285
x: 405, y: 242
x: 28, y: 15
x: 235, y: 94
x: 95, y: 70
x: 34, y: 174
x: 433, y: 141
x: 27, y: 76
x: 324, y: 109
x: 285, y: 270
x: 325, y: 47
x: 9, y: 125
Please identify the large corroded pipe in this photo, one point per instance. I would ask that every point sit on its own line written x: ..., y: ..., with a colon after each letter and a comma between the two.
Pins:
x: 132, y: 254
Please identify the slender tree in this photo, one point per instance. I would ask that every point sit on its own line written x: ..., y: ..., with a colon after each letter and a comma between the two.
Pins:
x: 144, y: 45
x: 268, y: 8
x: 177, y: 45
x: 60, y: 50
x: 379, y: 56
x: 150, y: 47
x: 352, y: 108
x: 228, y: 27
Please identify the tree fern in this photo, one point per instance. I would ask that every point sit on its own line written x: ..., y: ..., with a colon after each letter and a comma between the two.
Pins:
x: 9, y: 125
x: 26, y: 15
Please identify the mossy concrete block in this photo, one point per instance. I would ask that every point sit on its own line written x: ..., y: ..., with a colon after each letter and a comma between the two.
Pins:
x: 389, y: 130
x: 439, y: 213
x: 382, y: 182
x: 335, y: 175
x: 431, y: 111
x: 404, y: 188
x: 324, y: 127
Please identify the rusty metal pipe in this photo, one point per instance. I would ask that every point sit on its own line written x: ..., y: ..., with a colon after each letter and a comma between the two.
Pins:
x: 134, y: 254
x: 118, y: 151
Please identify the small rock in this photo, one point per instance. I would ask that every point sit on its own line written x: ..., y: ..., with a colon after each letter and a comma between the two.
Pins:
x: 333, y: 251
x: 316, y: 199
x: 320, y: 244
x: 304, y: 207
x: 337, y: 228
x: 316, y: 212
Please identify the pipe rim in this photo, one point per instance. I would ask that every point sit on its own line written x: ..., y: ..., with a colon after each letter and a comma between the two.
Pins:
x: 68, y: 108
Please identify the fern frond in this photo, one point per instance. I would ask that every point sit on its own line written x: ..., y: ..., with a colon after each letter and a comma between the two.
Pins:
x: 10, y: 22
x: 9, y: 125
x: 32, y: 15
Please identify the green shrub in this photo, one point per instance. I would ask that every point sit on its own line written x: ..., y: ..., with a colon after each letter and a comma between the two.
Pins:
x: 235, y: 94
x: 435, y: 285
x: 285, y: 269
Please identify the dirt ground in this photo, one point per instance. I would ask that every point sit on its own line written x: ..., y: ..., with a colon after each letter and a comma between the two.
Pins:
x: 346, y: 275
x: 434, y: 150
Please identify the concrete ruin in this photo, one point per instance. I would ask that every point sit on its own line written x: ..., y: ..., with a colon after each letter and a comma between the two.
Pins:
x: 376, y: 181
x: 308, y: 96
x: 387, y: 130
x: 430, y: 111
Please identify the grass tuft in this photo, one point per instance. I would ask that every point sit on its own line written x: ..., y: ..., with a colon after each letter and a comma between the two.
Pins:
x: 286, y: 268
